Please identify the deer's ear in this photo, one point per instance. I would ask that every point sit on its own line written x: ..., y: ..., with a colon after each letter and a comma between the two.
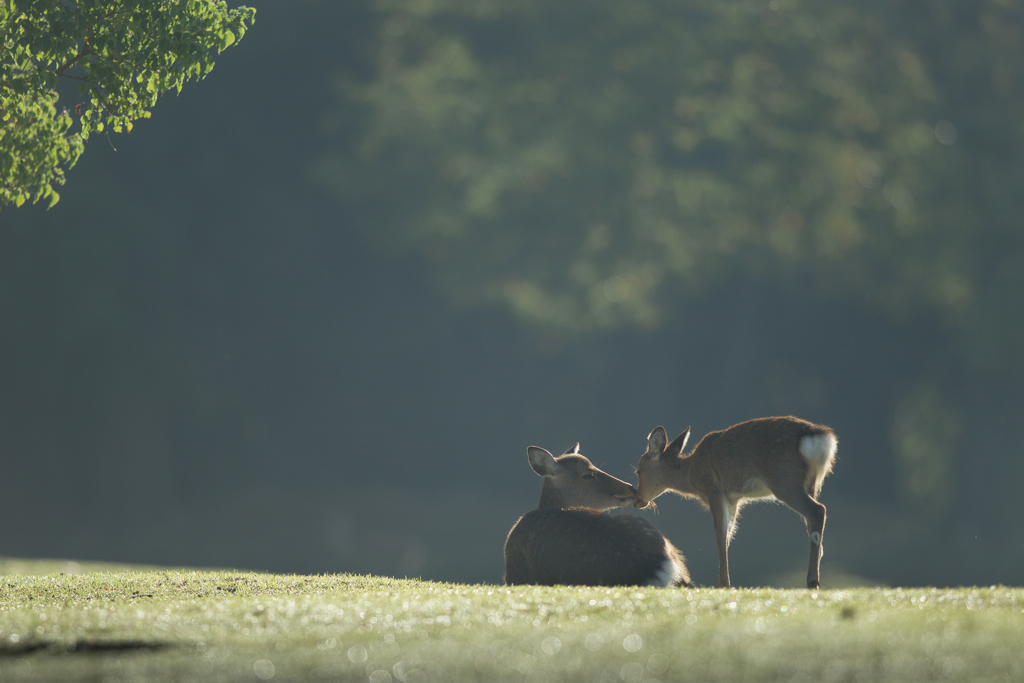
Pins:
x: 656, y: 441
x: 575, y: 450
x: 542, y: 462
x: 675, y: 449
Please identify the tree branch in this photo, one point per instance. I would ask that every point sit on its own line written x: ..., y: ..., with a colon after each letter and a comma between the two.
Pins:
x: 88, y: 51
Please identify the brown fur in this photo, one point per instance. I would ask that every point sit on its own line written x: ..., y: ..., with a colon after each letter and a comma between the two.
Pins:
x: 575, y: 546
x: 759, y: 458
x: 567, y: 541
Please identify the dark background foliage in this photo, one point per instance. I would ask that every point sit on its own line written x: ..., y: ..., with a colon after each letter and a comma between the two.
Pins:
x: 308, y: 319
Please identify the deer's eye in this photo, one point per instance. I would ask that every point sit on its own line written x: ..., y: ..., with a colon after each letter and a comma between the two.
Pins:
x: 588, y: 475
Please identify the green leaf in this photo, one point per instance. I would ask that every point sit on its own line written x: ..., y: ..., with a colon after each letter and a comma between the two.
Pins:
x: 168, y: 40
x: 226, y: 39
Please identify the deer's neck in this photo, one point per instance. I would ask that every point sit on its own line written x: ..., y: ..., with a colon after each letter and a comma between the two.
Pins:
x: 550, y: 496
x: 681, y: 469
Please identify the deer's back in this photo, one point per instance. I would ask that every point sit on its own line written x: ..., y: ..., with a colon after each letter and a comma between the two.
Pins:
x: 552, y: 546
x: 756, y: 450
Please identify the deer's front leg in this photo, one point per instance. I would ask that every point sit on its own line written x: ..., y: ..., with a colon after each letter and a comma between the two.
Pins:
x: 723, y: 512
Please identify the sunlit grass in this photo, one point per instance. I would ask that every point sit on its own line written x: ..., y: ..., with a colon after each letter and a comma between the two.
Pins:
x: 13, y: 565
x: 220, y: 625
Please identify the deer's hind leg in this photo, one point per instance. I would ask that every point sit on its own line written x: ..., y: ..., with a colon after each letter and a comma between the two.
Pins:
x: 813, y: 513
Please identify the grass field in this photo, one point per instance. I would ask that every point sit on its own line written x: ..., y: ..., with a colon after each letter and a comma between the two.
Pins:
x: 116, y: 626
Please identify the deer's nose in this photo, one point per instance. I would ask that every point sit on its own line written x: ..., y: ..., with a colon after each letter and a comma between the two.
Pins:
x: 629, y: 497
x: 631, y: 494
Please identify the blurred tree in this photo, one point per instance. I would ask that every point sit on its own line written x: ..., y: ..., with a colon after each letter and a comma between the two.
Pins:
x: 924, y: 433
x: 123, y: 53
x: 594, y: 164
x: 586, y: 162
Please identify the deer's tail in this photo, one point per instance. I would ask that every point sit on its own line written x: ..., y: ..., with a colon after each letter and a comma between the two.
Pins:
x: 819, y: 450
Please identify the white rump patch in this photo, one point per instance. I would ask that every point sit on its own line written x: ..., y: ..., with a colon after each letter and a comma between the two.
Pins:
x: 668, y: 574
x: 819, y: 450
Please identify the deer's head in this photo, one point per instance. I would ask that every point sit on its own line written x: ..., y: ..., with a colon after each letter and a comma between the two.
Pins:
x: 571, y: 480
x: 656, y: 464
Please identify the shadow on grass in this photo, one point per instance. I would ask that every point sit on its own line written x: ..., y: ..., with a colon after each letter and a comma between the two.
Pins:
x: 82, y: 646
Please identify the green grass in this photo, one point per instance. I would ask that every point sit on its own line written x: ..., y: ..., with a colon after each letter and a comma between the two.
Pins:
x: 224, y: 626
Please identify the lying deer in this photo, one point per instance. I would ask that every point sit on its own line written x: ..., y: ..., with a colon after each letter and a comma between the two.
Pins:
x: 780, y: 458
x: 567, y: 541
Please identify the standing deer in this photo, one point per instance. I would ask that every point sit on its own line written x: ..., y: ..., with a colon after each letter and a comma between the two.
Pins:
x: 778, y: 458
x: 567, y: 541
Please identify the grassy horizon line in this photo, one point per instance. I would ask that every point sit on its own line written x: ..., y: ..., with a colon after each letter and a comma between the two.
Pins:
x: 131, y: 624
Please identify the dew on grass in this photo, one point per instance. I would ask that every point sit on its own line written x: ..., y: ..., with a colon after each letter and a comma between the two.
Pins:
x: 594, y: 642
x: 357, y: 654
x: 632, y: 642
x: 551, y: 645
x: 526, y: 664
x: 486, y: 662
x: 415, y: 676
x: 264, y: 669
x: 657, y: 664
x: 632, y: 672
